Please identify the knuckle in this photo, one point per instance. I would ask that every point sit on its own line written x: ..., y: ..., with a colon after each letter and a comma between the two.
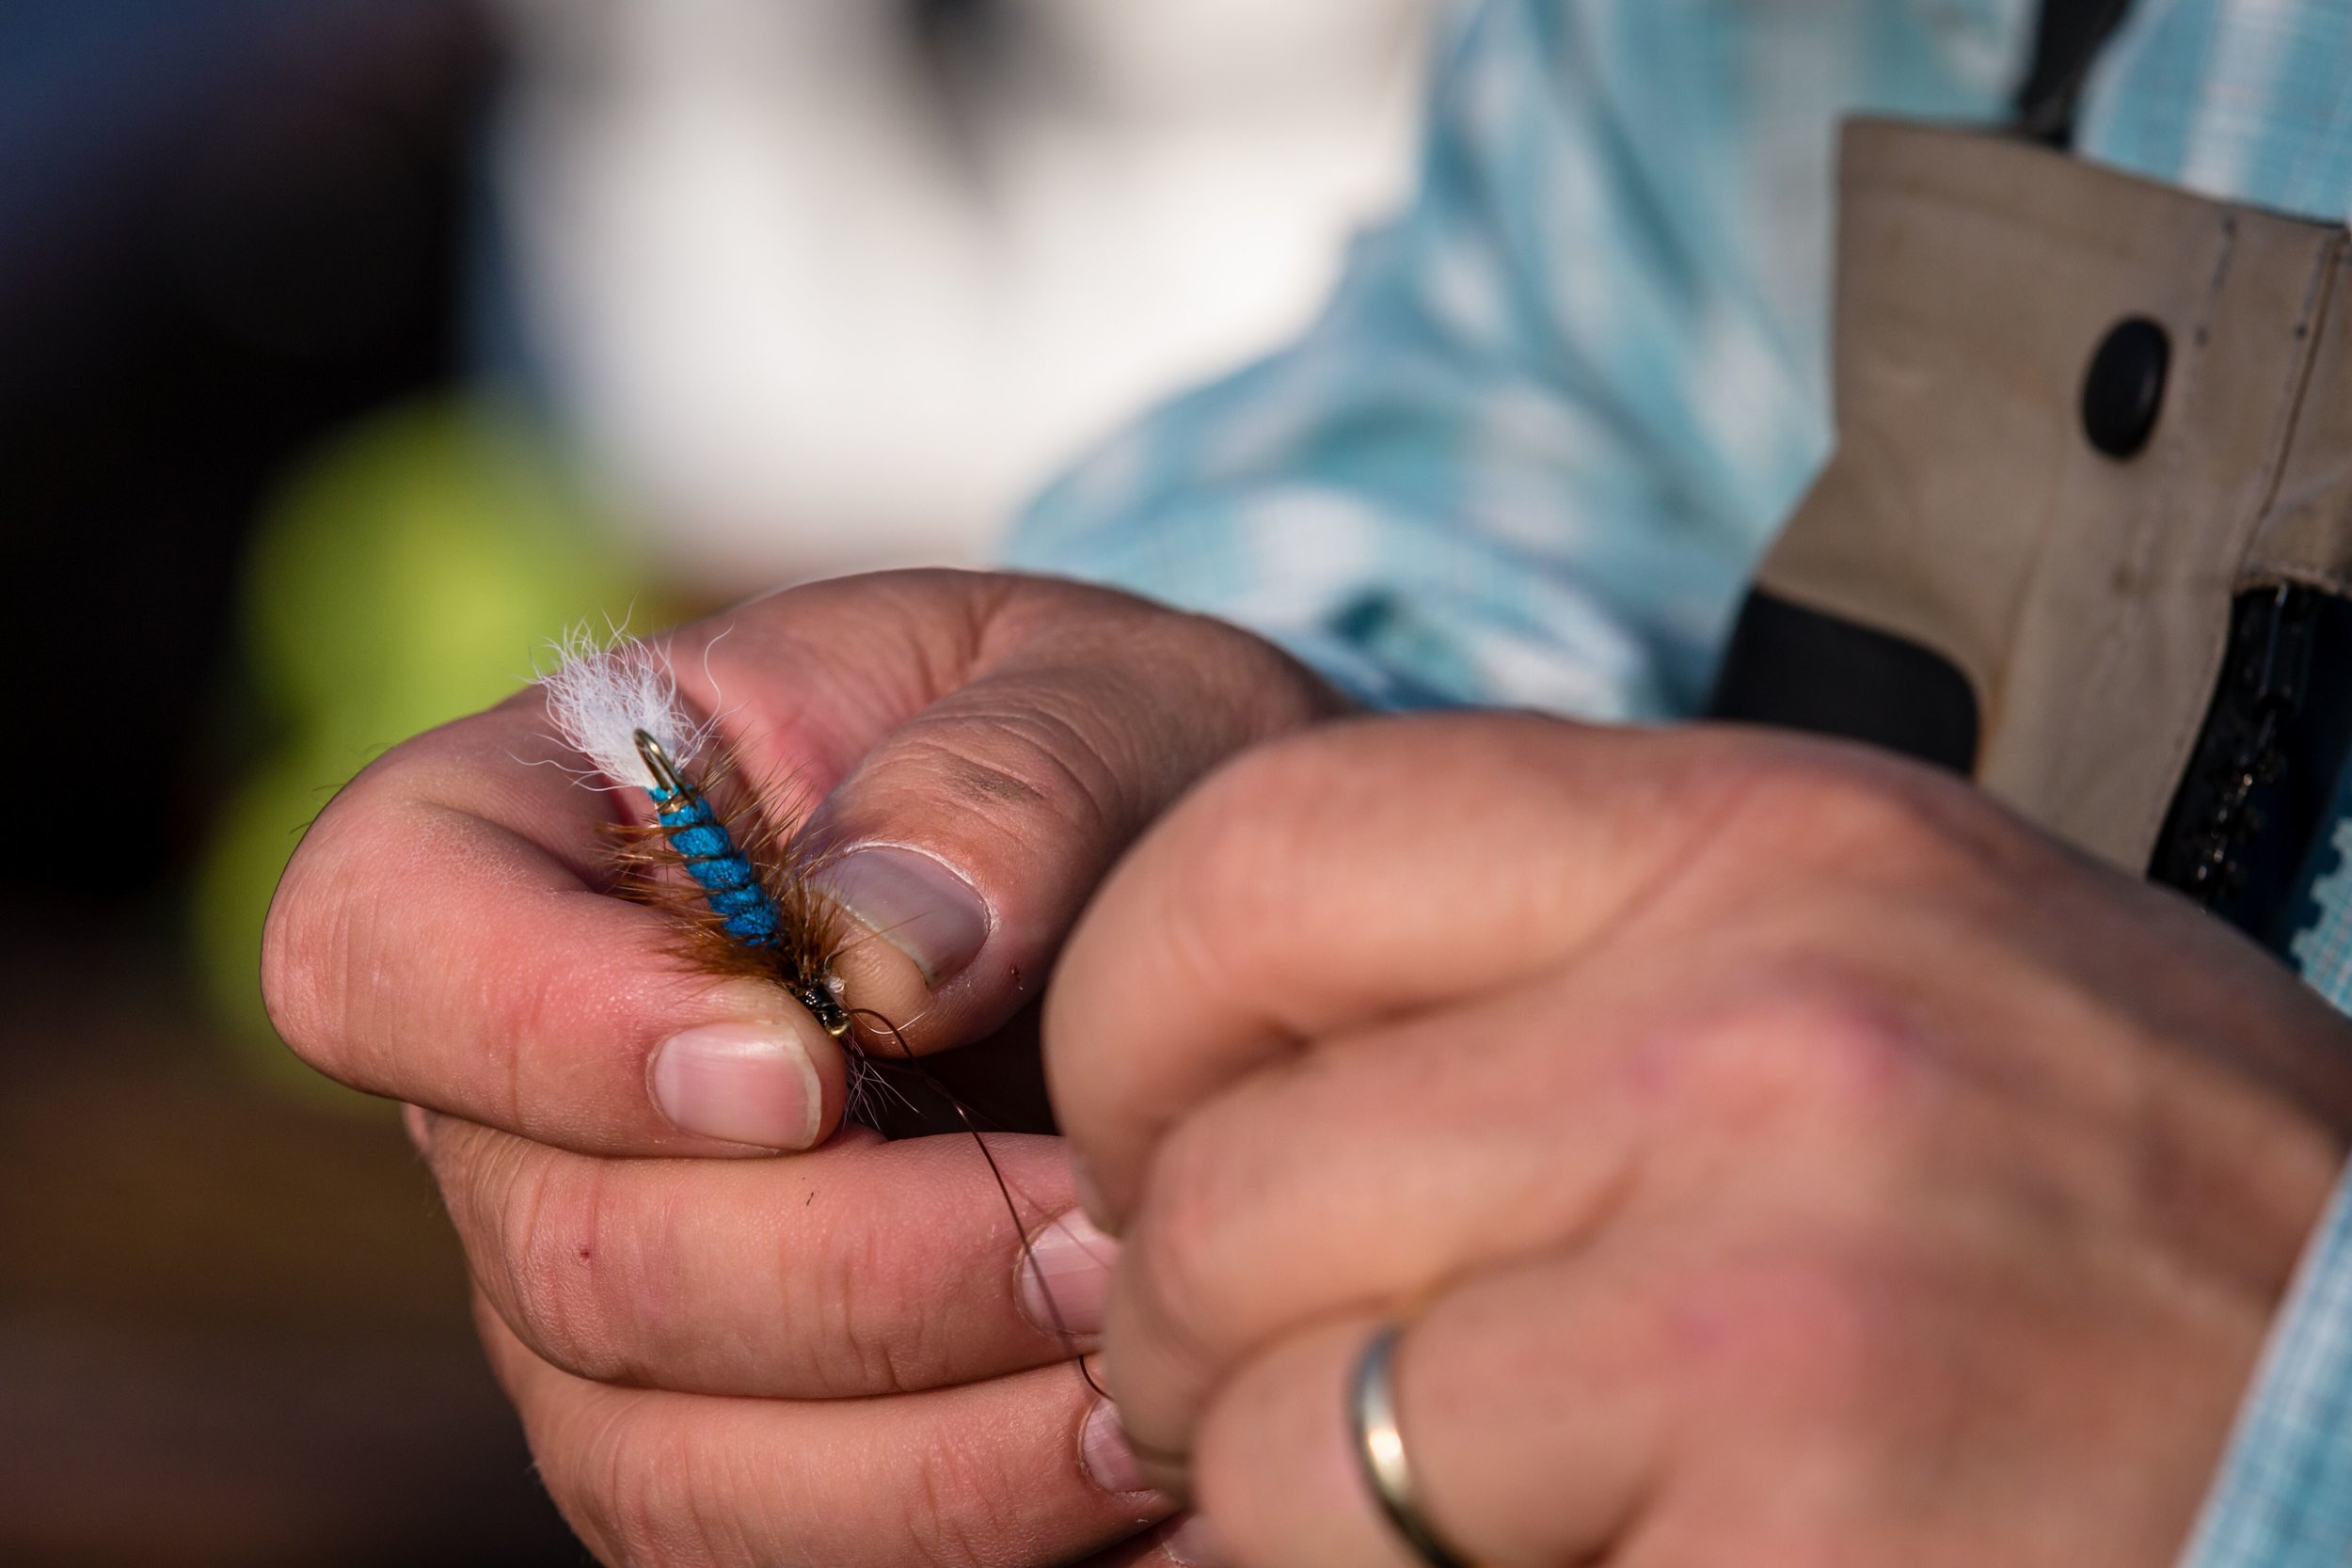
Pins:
x: 959, y: 1506
x: 545, y: 1244
x: 1843, y: 807
x: 1024, y: 757
x: 1823, y: 1050
x: 1255, y: 689
x: 1319, y: 785
x: 869, y: 1351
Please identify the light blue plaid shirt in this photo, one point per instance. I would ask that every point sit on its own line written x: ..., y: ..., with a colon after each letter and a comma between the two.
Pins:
x: 1534, y: 447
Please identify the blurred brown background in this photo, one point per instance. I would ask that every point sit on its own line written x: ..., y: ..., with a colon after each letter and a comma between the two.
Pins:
x: 349, y: 349
x: 231, y: 1328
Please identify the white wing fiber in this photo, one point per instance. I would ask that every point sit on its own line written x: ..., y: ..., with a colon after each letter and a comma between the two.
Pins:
x: 601, y: 695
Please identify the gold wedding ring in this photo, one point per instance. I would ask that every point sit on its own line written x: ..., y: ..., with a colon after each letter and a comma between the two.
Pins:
x: 1371, y: 1409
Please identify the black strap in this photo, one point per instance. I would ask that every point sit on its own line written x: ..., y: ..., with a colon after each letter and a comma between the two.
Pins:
x: 2064, y: 49
x: 1801, y: 669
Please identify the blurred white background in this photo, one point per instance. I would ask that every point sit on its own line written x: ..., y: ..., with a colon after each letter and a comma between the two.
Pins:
x: 823, y: 284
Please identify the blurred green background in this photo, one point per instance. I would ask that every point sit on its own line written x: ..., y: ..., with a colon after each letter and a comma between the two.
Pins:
x: 350, y: 350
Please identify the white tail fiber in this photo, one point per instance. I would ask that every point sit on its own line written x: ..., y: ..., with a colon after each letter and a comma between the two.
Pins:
x: 601, y: 695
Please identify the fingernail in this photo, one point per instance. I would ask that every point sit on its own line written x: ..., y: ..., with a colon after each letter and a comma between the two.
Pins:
x: 1195, y: 1545
x: 746, y: 1083
x: 1102, y: 1448
x: 1066, y: 1277
x: 914, y: 904
x: 418, y: 1121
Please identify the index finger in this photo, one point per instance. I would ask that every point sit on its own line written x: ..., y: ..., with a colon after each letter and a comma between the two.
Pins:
x: 448, y: 935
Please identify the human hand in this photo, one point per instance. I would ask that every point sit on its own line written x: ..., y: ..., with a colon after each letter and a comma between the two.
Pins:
x: 833, y: 1359
x: 1774, y: 1152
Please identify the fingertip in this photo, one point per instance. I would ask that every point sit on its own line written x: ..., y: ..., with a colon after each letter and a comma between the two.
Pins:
x: 1105, y: 1455
x: 1064, y: 1280
x: 878, y: 979
x: 768, y: 1079
x: 913, y: 925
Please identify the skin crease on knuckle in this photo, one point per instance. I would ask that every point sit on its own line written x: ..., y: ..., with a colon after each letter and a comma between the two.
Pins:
x: 1035, y: 760
x: 594, y: 1291
x: 528, y: 1217
x: 646, y: 1487
x: 646, y: 1499
x: 835, y: 1299
x: 587, y: 1451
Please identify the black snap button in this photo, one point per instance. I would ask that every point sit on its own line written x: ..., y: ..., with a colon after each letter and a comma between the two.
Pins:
x: 2123, y: 389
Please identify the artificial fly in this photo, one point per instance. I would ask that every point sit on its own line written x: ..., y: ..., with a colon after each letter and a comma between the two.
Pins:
x: 749, y: 904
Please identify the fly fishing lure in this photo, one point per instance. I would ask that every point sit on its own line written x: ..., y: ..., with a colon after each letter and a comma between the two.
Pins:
x: 751, y: 904
x: 752, y: 907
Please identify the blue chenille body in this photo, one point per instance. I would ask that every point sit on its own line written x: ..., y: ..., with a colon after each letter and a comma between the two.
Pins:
x: 729, y: 883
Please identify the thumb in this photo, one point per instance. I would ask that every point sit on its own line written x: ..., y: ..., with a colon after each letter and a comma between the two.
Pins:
x: 962, y: 846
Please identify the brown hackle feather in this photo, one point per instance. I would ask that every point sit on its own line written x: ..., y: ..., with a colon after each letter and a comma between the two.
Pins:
x: 764, y: 823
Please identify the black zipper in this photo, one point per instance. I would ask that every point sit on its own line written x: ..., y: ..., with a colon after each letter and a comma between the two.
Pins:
x: 2242, y: 820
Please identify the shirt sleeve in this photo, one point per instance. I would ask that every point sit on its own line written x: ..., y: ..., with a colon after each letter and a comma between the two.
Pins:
x: 2283, y: 1497
x: 1530, y: 451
